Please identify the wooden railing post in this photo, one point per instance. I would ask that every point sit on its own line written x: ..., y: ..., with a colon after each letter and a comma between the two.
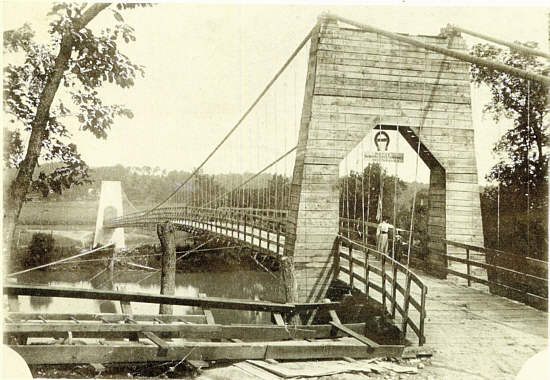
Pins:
x: 351, y: 267
x: 367, y: 270
x: 406, y: 299
x: 245, y: 226
x: 268, y: 239
x: 278, y: 238
x: 268, y: 223
x: 231, y: 219
x: 259, y: 235
x: 239, y: 232
x: 393, y: 288
x: 251, y: 228
x: 422, y: 338
x: 383, y: 261
x: 337, y: 258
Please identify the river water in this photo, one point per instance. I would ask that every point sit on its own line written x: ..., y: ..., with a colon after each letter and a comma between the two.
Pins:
x: 239, y: 284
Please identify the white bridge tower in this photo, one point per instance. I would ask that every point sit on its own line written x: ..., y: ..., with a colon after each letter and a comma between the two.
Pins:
x: 110, y: 206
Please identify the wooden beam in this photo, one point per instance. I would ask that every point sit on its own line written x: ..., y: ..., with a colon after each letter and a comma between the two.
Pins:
x: 163, y: 347
x: 127, y: 353
x: 190, y: 331
x: 207, y: 302
x: 363, y: 339
x: 110, y: 317
x: 278, y: 319
x: 511, y: 45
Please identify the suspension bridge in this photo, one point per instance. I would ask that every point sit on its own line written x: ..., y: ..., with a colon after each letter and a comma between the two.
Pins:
x: 304, y: 151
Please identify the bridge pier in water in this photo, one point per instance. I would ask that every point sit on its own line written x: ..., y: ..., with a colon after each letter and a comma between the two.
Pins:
x: 358, y: 81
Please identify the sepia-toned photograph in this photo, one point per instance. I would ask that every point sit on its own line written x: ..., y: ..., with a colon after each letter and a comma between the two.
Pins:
x: 275, y: 190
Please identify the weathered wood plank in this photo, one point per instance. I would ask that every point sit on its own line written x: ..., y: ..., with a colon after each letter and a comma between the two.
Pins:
x: 188, y: 331
x: 208, y: 302
x: 368, y: 93
x: 394, y: 86
x: 278, y: 319
x: 110, y: 317
x: 394, y: 72
x: 65, y: 354
x: 385, y: 103
x: 363, y: 339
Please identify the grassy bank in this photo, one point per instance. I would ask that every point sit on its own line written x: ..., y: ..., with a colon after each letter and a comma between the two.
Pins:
x: 59, y: 213
x: 68, y: 213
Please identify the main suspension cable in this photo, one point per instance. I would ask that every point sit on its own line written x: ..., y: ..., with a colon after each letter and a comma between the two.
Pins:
x: 277, y: 75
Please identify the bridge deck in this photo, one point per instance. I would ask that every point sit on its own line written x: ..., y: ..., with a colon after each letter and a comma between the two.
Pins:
x: 247, y: 234
x: 479, y: 335
x: 474, y: 334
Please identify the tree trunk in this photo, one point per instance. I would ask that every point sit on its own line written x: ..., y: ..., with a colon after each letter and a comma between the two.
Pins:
x: 19, y: 188
x: 165, y: 232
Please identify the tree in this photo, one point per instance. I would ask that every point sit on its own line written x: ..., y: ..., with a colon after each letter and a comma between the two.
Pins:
x: 40, y: 248
x: 522, y: 171
x: 82, y: 61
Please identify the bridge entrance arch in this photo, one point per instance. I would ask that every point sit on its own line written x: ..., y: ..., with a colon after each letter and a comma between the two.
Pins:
x: 357, y: 81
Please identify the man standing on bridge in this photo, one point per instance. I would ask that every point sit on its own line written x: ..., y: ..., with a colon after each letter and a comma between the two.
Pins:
x: 382, y: 236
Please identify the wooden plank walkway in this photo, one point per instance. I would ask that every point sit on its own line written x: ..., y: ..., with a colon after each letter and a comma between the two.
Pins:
x: 474, y: 334
x: 477, y: 335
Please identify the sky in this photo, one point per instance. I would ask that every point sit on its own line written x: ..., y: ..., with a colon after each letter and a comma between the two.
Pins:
x: 206, y: 63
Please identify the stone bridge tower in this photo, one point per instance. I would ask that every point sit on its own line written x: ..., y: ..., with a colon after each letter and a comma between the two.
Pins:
x: 357, y: 81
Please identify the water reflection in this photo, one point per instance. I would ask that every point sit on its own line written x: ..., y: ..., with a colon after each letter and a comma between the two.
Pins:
x: 105, y: 281
x: 239, y: 284
x: 39, y: 303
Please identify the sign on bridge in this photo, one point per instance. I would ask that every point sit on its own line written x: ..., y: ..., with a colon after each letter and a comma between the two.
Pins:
x: 385, y: 157
x: 382, y: 140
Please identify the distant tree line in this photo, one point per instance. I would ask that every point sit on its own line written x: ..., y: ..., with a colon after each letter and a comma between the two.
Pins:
x: 504, y: 210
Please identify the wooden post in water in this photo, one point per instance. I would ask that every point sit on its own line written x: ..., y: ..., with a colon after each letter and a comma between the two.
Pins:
x: 165, y: 232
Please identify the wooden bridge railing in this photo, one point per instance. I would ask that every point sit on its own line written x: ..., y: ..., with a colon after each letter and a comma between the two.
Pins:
x: 357, y: 230
x: 260, y: 228
x: 527, y: 282
x: 370, y: 268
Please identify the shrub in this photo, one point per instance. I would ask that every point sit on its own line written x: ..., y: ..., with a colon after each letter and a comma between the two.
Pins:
x: 40, y: 249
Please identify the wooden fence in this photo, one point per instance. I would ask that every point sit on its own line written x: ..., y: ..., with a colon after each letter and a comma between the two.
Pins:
x: 397, y: 286
x: 520, y: 278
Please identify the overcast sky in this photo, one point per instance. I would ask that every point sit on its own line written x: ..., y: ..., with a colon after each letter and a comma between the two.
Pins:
x: 205, y: 64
